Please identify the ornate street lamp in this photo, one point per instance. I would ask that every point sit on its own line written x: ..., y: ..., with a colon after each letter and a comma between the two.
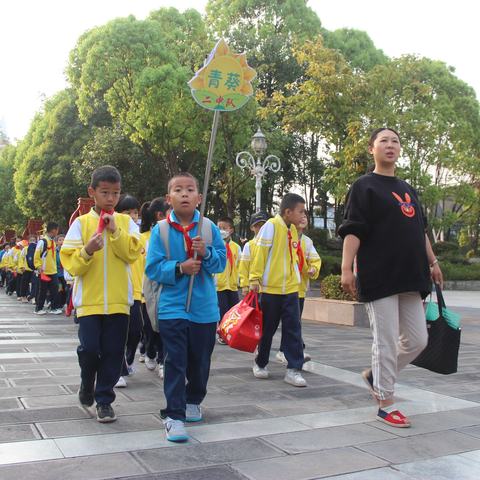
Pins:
x: 258, y: 169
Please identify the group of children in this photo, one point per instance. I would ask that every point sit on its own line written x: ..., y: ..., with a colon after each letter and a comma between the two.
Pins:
x: 32, y: 270
x: 111, y: 259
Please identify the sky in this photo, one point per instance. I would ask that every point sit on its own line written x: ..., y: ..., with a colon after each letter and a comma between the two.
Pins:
x: 36, y: 37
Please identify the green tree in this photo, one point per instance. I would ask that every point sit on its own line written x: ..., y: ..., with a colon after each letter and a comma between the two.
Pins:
x: 44, y: 184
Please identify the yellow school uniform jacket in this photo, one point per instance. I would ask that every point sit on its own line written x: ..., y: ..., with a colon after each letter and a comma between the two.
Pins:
x: 7, y: 259
x: 275, y: 265
x: 146, y: 241
x: 15, y: 259
x: 245, y: 260
x: 22, y: 260
x: 228, y: 279
x: 312, y: 260
x: 103, y: 281
x: 48, y: 261
x: 138, y: 272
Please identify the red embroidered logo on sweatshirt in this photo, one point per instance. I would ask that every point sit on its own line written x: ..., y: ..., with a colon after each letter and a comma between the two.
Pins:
x: 406, y: 205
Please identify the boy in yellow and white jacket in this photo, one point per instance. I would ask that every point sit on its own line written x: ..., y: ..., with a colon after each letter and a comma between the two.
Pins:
x: 45, y: 261
x: 98, y: 250
x: 227, y: 281
x: 274, y: 271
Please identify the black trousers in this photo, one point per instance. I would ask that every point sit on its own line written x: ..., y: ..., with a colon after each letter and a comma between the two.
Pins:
x: 25, y: 287
x: 52, y: 288
x: 101, y: 353
x: 226, y: 300
x: 285, y: 308
x: 134, y: 335
x: 188, y: 349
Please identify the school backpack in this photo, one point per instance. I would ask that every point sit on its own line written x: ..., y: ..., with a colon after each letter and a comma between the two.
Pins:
x: 153, y: 289
x: 30, y: 255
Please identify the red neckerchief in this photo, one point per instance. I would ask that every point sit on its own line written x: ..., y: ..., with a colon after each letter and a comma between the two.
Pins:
x: 52, y: 248
x: 229, y: 255
x: 101, y: 222
x: 289, y: 235
x: 184, y: 230
x: 301, y: 256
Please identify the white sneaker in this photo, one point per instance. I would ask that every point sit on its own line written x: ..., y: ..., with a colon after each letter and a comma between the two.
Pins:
x: 150, y: 363
x: 294, y: 377
x: 141, y: 358
x: 40, y: 312
x: 280, y: 356
x: 306, y: 357
x: 175, y: 430
x: 32, y: 301
x: 193, y: 413
x: 122, y: 383
x: 131, y: 369
x: 260, y: 372
x: 160, y: 370
x: 57, y: 311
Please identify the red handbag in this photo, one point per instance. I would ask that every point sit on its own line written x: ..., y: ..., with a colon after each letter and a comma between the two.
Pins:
x: 45, y: 278
x: 241, y: 326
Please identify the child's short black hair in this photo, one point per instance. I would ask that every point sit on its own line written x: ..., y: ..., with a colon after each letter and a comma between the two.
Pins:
x: 127, y: 202
x: 183, y: 175
x: 51, y: 226
x: 106, y: 173
x: 227, y: 220
x: 290, y: 201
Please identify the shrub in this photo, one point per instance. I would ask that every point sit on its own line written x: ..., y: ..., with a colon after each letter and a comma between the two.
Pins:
x: 331, y: 264
x: 319, y: 237
x: 331, y: 288
x: 443, y: 249
x: 453, y: 271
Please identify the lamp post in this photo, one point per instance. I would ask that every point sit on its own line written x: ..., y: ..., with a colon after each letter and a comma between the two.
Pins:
x: 258, y: 168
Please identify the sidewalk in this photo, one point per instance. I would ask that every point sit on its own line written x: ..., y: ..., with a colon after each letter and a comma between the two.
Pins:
x: 253, y: 429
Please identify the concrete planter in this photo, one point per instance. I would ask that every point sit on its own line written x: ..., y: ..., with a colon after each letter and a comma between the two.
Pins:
x: 337, y: 312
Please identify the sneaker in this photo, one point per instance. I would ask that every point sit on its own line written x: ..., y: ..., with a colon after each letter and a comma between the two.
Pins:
x: 175, y: 430
x: 40, y: 312
x: 121, y: 383
x: 367, y: 376
x: 131, y: 369
x: 259, y: 372
x: 105, y: 413
x: 306, y: 357
x: 33, y: 301
x: 193, y: 413
x: 150, y: 363
x: 160, y: 371
x: 56, y: 311
x: 394, y: 419
x: 280, y: 356
x: 220, y: 340
x: 141, y: 358
x: 294, y: 377
x: 24, y: 300
x: 19, y: 299
x: 85, y: 396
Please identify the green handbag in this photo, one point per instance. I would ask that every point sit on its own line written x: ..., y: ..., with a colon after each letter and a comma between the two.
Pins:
x: 432, y: 312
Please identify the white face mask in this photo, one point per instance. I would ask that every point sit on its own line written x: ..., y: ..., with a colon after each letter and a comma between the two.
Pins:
x: 139, y: 221
x: 224, y: 234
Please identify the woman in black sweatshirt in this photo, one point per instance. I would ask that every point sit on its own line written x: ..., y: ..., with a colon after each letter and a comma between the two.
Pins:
x: 384, y: 228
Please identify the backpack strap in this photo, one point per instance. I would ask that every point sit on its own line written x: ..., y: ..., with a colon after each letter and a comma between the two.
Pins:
x: 207, y: 231
x: 164, y: 229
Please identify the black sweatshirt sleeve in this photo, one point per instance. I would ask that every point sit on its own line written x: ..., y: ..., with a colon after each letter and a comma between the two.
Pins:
x: 356, y: 220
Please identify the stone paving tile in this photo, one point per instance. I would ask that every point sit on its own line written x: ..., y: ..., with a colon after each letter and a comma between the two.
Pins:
x: 17, y: 433
x: 473, y: 455
x: 30, y: 451
x: 473, y: 431
x: 9, y: 404
x: 215, y: 473
x: 244, y: 429
x: 319, y: 392
x: 229, y: 414
x: 92, y: 468
x: 204, y: 455
x: 112, y: 443
x: 385, y: 473
x: 452, y: 467
x: 39, y: 391
x: 50, y: 380
x: 24, y: 374
x: 326, y: 438
x: 33, y: 415
x: 71, y: 428
x: 422, y: 447
x: 309, y: 465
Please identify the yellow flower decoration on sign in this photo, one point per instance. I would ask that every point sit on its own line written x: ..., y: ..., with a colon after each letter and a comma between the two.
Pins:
x: 223, y: 83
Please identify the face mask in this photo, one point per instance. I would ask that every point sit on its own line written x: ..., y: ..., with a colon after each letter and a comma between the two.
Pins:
x: 139, y: 221
x: 224, y: 234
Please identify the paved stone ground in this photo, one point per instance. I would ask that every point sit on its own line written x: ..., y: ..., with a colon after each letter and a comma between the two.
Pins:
x: 253, y: 429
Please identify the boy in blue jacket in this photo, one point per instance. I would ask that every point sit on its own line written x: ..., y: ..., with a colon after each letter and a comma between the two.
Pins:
x: 189, y: 337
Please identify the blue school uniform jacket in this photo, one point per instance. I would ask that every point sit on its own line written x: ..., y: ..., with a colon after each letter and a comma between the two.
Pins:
x: 173, y: 297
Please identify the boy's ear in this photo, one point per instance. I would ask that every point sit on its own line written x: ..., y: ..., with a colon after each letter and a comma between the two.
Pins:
x: 168, y: 199
x: 200, y: 196
x: 91, y: 191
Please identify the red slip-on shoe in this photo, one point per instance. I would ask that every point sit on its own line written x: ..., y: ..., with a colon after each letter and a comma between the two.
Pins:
x: 394, y: 419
